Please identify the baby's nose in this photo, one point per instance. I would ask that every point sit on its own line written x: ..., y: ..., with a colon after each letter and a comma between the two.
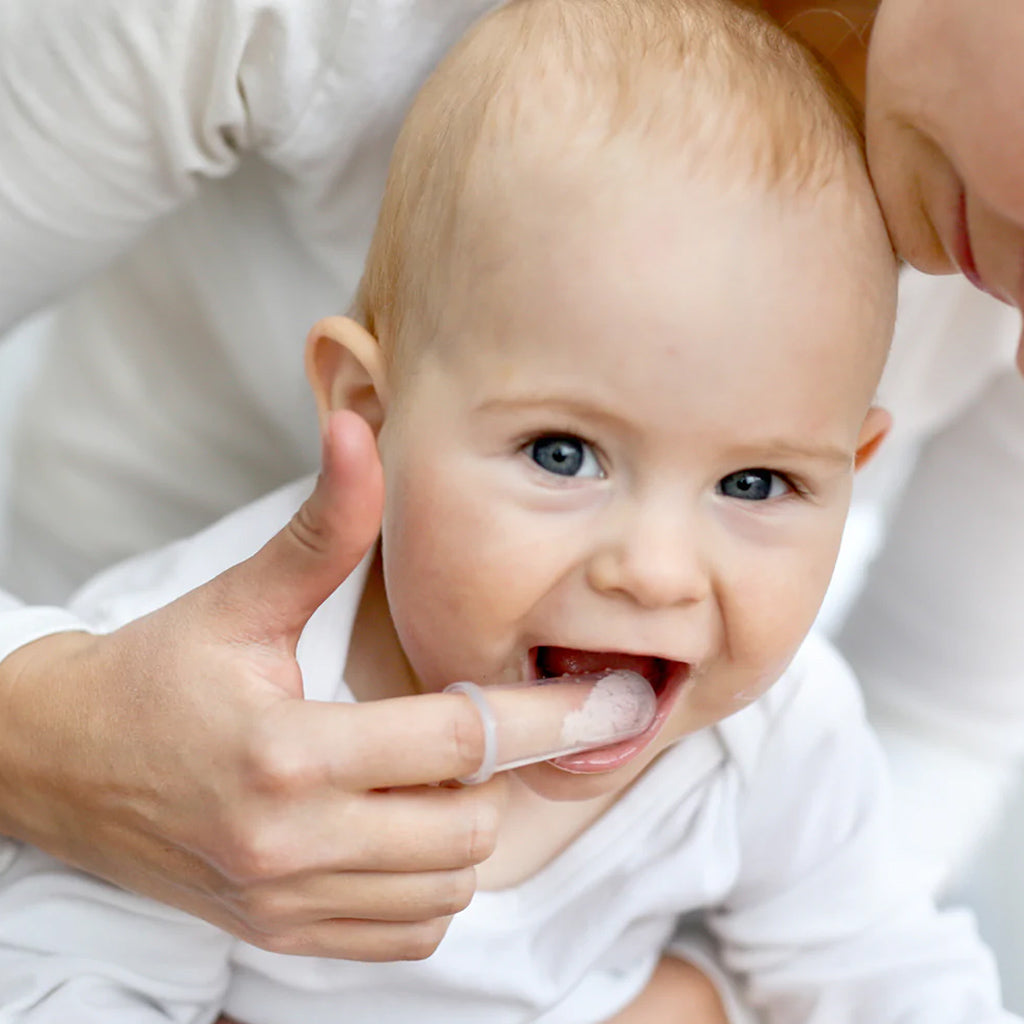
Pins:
x: 657, y: 559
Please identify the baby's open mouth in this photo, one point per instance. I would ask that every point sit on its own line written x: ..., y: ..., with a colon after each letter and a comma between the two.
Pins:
x: 565, y: 661
x: 665, y: 676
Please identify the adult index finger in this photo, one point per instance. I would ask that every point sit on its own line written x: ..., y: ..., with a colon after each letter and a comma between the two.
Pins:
x: 541, y: 719
x: 400, y: 741
x: 417, y: 740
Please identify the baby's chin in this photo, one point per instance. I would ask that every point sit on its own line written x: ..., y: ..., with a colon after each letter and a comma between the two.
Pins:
x: 550, y: 782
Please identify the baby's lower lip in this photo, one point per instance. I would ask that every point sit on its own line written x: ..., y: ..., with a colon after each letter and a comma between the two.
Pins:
x: 608, y: 759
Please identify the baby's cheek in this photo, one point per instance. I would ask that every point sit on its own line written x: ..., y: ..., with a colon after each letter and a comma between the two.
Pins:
x: 764, y: 632
x: 766, y: 647
x: 441, y: 597
x: 728, y: 688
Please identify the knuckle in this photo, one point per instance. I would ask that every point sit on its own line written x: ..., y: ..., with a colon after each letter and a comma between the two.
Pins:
x: 278, y: 765
x: 482, y: 832
x: 456, y: 892
x: 268, y: 910
x: 249, y: 932
x: 420, y: 940
x: 466, y: 737
x: 253, y: 857
x: 285, y: 942
x: 309, y: 530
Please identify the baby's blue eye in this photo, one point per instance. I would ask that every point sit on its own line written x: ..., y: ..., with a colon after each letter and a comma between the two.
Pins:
x: 564, y: 455
x: 753, y: 485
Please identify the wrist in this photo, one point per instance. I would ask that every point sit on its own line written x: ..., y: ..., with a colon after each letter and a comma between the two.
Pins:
x: 40, y: 701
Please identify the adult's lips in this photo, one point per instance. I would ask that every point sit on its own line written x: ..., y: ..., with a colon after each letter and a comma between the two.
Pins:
x: 963, y: 251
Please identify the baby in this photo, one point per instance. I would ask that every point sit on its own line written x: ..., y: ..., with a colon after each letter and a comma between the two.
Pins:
x: 618, y: 337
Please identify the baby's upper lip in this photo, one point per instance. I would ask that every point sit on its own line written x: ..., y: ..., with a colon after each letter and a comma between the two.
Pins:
x: 556, y: 661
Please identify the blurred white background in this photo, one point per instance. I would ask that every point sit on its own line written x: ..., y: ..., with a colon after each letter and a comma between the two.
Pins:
x: 18, y: 355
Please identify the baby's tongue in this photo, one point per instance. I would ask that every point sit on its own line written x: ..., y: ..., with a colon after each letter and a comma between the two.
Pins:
x: 564, y: 661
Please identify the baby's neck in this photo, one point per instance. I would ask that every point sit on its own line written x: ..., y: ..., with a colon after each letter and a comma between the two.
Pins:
x: 533, y: 832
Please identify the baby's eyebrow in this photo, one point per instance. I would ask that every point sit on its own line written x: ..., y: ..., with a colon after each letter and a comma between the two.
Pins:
x: 572, y: 404
x: 821, y: 453
x: 534, y: 397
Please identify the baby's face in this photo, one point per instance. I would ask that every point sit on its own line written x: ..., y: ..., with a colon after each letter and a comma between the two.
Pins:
x: 633, y: 446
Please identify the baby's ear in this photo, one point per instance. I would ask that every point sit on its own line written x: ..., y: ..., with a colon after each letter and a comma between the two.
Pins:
x: 872, y: 434
x: 346, y: 370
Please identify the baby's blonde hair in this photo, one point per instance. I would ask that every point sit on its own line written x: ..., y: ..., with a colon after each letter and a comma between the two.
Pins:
x: 712, y: 85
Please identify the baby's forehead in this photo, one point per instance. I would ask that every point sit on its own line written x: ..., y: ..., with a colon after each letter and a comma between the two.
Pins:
x: 580, y: 102
x: 518, y: 204
x: 680, y: 260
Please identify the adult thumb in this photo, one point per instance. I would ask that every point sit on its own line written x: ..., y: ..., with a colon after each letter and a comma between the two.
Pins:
x: 297, y: 570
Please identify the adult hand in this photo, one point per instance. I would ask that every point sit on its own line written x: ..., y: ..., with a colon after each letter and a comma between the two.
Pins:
x: 176, y: 756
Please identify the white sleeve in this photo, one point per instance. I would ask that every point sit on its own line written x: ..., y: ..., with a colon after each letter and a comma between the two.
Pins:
x: 936, y: 635
x: 73, y: 948
x: 112, y: 109
x: 824, y: 925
